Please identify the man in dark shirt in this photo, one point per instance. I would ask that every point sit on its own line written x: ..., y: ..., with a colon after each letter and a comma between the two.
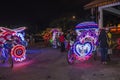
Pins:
x: 103, y: 45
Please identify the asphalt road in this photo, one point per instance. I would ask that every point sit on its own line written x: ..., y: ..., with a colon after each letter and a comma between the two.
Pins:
x: 51, y: 64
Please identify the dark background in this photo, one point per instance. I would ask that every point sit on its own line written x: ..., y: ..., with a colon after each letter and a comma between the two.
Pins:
x: 38, y: 13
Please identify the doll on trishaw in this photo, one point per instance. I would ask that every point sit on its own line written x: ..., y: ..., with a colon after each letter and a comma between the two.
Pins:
x: 86, y: 42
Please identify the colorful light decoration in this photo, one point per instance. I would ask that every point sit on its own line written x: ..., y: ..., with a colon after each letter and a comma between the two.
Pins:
x: 87, y: 38
x: 47, y: 35
x: 118, y: 41
x: 115, y: 30
x: 82, y: 50
x: 2, y: 40
x: 18, y: 51
x: 55, y: 32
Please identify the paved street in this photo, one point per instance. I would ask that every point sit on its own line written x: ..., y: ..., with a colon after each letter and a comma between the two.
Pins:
x: 51, y: 64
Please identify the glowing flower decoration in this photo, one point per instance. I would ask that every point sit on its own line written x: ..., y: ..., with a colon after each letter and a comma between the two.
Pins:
x: 18, y: 52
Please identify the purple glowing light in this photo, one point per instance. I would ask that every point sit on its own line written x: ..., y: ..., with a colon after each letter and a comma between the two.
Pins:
x: 87, y: 38
x: 87, y: 25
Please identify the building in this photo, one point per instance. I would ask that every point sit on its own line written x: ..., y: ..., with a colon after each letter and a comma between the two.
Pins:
x: 99, y: 6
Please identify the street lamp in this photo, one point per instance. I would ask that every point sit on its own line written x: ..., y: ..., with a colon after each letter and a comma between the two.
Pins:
x: 73, y: 17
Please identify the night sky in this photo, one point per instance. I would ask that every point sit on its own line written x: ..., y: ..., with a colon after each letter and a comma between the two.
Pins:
x: 38, y: 12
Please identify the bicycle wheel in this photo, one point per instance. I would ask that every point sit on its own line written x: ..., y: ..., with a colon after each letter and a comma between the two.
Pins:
x: 70, y: 58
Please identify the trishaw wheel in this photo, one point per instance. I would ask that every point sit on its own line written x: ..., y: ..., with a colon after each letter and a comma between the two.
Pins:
x: 70, y: 58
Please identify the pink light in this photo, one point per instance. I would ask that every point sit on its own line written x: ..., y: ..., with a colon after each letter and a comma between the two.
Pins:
x: 19, y: 29
x: 15, y: 53
x: 22, y: 65
x: 83, y: 58
x: 118, y: 41
x: 12, y: 30
x: 2, y: 39
x: 20, y: 59
x: 6, y: 29
x: 16, y: 48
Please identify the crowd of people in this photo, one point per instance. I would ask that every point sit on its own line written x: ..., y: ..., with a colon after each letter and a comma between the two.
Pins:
x: 65, y: 40
x: 104, y: 43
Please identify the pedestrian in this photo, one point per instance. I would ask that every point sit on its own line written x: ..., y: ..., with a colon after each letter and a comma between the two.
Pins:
x: 109, y: 35
x: 62, y: 42
x: 103, y: 45
x: 70, y: 43
x: 95, y: 53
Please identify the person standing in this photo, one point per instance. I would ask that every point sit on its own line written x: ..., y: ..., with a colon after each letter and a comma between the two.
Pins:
x: 103, y: 45
x: 110, y: 45
x: 62, y: 42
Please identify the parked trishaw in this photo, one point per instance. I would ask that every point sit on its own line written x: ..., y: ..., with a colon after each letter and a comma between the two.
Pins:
x: 12, y: 45
x: 86, y: 42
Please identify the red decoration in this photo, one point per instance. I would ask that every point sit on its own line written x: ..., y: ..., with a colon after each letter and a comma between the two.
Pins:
x: 18, y: 51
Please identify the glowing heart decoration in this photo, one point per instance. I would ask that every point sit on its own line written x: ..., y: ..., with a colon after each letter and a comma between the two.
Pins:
x: 82, y: 49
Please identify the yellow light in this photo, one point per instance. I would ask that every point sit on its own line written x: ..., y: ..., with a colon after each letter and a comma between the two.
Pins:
x: 113, y: 30
x: 118, y: 25
x: 73, y: 17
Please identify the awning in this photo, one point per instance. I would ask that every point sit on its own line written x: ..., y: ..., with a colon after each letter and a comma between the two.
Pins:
x: 97, y: 3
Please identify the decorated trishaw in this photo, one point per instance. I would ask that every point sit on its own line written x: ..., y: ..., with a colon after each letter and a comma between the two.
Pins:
x: 50, y: 36
x: 12, y: 45
x: 86, y: 42
x: 55, y: 37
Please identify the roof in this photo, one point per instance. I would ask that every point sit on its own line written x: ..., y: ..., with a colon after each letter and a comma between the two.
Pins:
x: 97, y: 3
x: 86, y: 25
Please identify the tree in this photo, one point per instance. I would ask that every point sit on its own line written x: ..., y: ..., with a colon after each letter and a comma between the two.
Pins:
x: 65, y: 23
